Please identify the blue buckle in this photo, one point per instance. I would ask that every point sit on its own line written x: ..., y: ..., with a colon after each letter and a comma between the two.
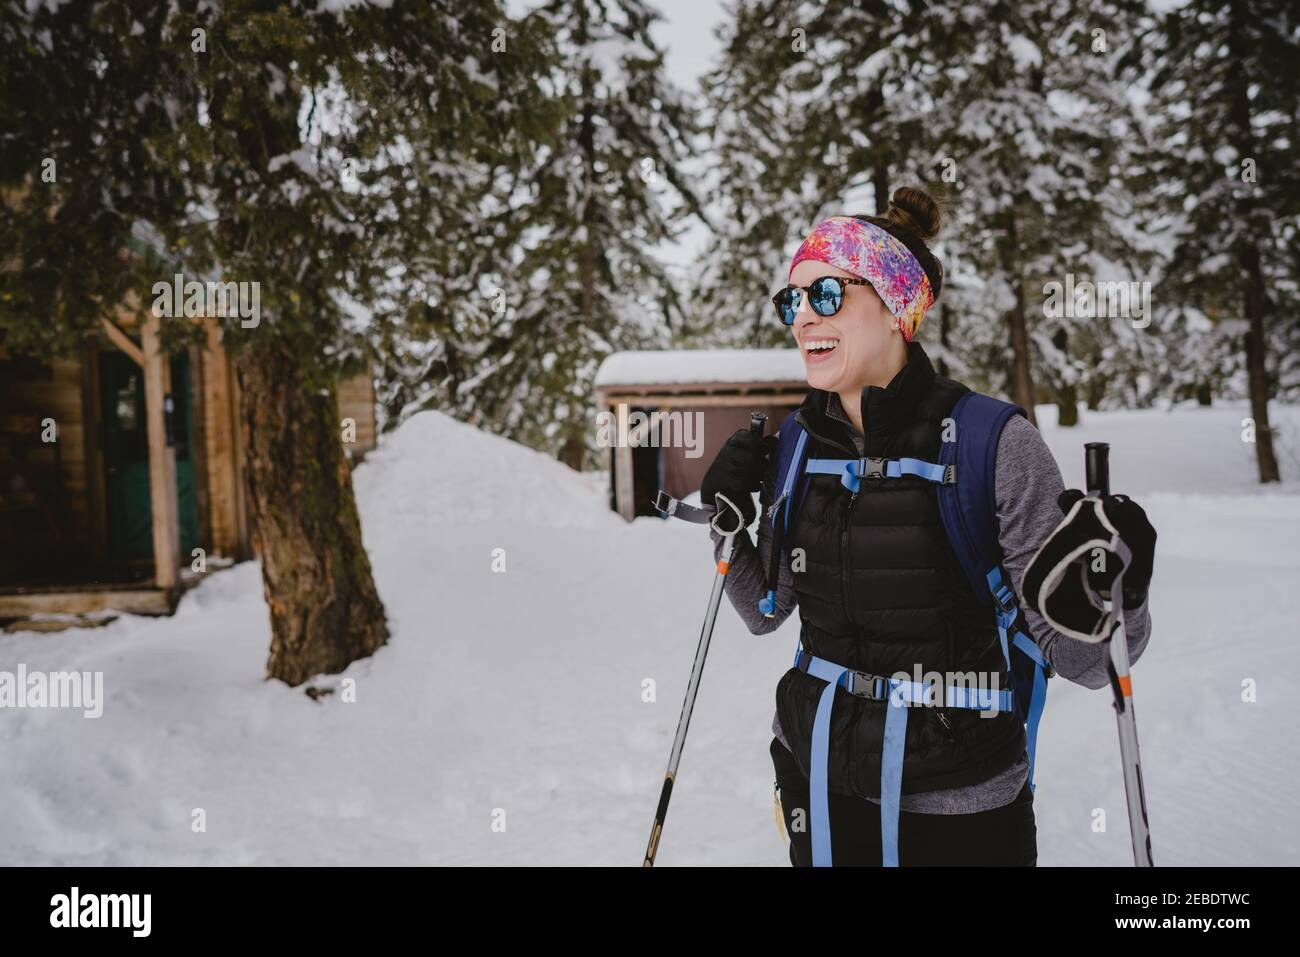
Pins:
x: 1004, y: 598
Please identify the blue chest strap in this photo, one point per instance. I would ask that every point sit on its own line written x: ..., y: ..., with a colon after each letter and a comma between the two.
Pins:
x: 852, y: 471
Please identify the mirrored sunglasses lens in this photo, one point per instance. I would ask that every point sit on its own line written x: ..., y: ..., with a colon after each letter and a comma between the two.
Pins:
x: 826, y: 295
x: 787, y: 305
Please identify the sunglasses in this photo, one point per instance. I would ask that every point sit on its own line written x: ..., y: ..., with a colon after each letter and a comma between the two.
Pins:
x: 825, y: 295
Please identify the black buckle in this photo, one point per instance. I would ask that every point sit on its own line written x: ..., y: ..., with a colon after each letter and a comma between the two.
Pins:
x: 871, y: 468
x: 949, y: 474
x: 864, y: 685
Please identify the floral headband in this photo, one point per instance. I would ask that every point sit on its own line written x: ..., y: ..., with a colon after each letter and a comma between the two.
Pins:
x: 871, y: 253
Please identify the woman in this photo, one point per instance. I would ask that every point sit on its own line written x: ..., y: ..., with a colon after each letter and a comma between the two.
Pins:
x: 877, y: 584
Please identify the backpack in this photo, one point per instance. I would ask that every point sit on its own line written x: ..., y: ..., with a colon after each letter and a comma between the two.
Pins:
x: 964, y: 476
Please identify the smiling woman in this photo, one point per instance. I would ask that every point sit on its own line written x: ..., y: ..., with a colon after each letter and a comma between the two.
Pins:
x: 859, y: 288
x: 878, y: 767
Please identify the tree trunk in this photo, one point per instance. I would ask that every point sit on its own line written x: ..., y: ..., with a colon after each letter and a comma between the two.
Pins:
x: 1096, y: 384
x: 1022, y: 382
x: 587, y: 143
x: 1256, y: 370
x: 325, y: 611
x: 1067, y: 405
x: 1204, y: 395
x: 1248, y: 256
x: 1067, y: 394
x: 574, y: 452
x: 880, y: 183
x: 1021, y: 379
x: 945, y: 331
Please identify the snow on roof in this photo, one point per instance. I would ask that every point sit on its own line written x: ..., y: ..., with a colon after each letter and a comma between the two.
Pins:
x: 665, y: 366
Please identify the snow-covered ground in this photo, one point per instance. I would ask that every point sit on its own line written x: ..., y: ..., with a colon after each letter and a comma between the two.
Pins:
x: 518, y: 696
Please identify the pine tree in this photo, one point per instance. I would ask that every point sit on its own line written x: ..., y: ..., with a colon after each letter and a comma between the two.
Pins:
x: 1034, y: 135
x: 1225, y: 84
x: 1009, y: 114
x: 811, y: 113
x: 257, y: 141
x: 576, y: 275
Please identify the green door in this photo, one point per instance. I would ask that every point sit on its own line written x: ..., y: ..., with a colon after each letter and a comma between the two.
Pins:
x: 126, y: 458
x: 183, y: 433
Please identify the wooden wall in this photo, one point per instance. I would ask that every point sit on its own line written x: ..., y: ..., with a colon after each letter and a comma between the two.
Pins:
x: 67, y: 390
x: 227, y: 519
x: 29, y: 394
x: 357, y: 402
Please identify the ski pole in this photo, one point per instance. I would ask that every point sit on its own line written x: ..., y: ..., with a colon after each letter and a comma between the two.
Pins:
x: 1097, y: 469
x: 717, y: 517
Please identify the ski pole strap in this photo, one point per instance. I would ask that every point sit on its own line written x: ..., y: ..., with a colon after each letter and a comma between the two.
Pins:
x: 900, y: 694
x: 671, y: 507
x: 852, y: 471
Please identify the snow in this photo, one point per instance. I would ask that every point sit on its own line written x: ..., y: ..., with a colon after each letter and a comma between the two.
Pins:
x: 522, y: 690
x: 667, y: 366
x: 1023, y: 51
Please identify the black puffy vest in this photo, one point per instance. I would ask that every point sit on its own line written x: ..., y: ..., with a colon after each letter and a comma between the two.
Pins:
x: 882, y: 592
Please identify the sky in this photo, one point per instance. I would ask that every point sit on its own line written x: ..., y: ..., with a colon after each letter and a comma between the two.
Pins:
x: 686, y: 36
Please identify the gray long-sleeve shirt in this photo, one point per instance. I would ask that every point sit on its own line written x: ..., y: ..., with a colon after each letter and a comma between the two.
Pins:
x: 1027, y: 483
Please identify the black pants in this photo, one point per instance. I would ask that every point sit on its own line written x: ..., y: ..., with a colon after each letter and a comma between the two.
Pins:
x: 1004, y: 836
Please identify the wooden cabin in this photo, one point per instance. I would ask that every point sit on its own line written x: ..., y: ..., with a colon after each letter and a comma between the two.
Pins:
x: 117, y: 462
x: 717, y: 388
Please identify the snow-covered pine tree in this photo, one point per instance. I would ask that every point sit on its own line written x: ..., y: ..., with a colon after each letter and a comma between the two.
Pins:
x: 813, y: 112
x: 1031, y: 129
x: 1226, y: 88
x: 754, y: 203
x: 578, y: 277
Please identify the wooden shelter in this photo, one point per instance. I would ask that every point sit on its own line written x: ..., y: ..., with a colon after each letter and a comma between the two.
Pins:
x: 717, y: 388
x: 118, y: 462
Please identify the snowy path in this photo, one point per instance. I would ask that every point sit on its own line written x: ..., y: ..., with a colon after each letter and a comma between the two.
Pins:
x: 522, y: 691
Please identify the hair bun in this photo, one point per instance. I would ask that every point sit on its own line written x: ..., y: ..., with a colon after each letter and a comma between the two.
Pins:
x: 914, y: 209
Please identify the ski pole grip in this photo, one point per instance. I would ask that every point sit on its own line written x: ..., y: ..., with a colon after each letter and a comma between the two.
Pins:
x: 1096, y: 463
x: 757, y: 422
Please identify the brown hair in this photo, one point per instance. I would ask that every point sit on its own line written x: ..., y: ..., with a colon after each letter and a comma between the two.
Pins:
x: 913, y: 217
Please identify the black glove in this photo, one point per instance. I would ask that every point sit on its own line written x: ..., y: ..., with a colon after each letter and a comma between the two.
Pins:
x: 740, y: 469
x: 1137, y: 533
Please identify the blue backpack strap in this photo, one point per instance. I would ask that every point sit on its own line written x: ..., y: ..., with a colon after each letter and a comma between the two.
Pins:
x: 791, y: 449
x: 968, y: 508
